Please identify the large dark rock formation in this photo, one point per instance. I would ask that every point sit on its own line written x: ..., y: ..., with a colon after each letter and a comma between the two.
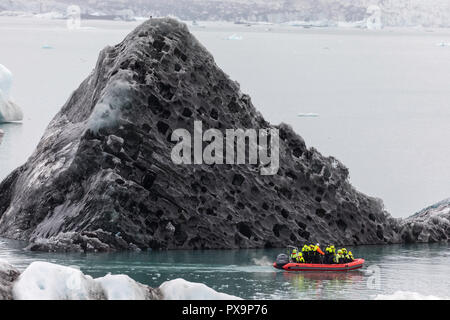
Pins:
x: 431, y: 224
x: 102, y: 177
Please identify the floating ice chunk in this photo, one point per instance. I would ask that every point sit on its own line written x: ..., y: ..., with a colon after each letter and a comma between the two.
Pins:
x: 180, y: 289
x: 407, y: 295
x: 9, y: 111
x: 235, y: 37
x: 122, y: 287
x: 308, y: 115
x: 47, y: 281
x: 443, y: 44
x: 311, y: 24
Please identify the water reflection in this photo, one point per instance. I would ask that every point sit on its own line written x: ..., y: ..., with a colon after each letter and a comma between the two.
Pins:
x: 319, y: 285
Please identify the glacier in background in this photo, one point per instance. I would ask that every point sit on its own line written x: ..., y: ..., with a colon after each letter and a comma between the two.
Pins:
x: 398, y: 13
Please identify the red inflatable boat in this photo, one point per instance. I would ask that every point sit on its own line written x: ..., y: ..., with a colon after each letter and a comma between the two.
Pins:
x: 355, y: 264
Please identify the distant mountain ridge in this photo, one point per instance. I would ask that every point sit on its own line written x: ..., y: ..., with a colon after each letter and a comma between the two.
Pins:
x: 404, y: 13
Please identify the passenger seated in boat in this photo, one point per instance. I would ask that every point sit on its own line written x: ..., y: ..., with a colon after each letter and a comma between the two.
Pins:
x: 339, y: 258
x: 345, y: 256
x: 294, y: 255
x: 330, y: 253
x: 349, y: 257
x: 313, y: 254
x: 305, y: 253
x: 297, y: 257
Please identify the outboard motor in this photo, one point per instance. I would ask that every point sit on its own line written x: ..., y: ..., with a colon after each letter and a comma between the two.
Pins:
x: 281, y: 260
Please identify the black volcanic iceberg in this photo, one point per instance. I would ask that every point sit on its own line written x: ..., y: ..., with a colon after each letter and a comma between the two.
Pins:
x: 102, y: 177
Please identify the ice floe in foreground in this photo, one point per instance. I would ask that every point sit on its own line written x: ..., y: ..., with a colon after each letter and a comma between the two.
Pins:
x: 47, y: 281
x: 180, y: 289
x: 407, y: 295
x: 9, y: 111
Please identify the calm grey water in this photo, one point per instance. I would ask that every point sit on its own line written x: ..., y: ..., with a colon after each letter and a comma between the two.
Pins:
x: 419, y: 269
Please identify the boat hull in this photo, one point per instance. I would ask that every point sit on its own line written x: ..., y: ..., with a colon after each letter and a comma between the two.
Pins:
x: 356, y: 264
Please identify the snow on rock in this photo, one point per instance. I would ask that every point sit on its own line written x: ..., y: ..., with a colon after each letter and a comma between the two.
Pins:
x: 180, y: 289
x: 9, y: 111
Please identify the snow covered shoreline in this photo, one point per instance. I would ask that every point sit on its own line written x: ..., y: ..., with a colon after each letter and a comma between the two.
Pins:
x: 48, y: 281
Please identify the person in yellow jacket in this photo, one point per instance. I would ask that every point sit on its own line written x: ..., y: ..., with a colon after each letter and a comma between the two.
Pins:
x: 333, y: 249
x: 294, y: 255
x: 349, y: 257
x: 297, y: 256
x: 300, y: 258
x: 330, y: 254
x: 305, y: 253
x: 339, y: 257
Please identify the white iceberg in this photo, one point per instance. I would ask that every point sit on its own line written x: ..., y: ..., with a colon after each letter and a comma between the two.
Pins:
x: 47, y: 281
x: 9, y: 111
x: 180, y: 289
x: 122, y: 287
x: 408, y: 295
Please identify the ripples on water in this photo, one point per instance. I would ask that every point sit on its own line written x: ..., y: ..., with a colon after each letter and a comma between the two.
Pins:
x: 249, y: 274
